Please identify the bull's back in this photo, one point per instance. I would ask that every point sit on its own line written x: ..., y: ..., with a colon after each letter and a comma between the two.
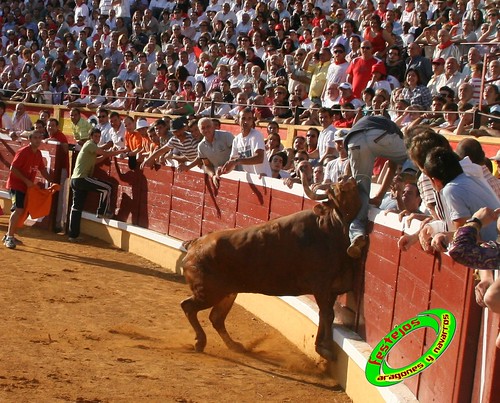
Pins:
x: 290, y: 255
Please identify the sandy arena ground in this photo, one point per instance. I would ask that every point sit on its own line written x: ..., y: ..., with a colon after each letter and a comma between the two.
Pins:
x: 89, y: 323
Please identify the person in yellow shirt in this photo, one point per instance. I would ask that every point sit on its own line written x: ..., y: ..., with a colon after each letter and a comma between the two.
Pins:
x: 318, y: 73
x: 79, y: 126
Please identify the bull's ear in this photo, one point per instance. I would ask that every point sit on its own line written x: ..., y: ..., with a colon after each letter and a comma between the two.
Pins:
x: 320, y: 209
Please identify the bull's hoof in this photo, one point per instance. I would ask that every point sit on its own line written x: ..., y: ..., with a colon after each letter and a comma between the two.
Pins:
x: 326, y: 353
x: 237, y: 347
x: 199, y: 347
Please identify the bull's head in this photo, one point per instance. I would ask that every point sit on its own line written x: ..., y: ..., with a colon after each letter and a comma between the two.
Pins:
x: 343, y: 199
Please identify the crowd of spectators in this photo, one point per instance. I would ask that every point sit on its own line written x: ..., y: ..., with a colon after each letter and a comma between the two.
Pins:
x: 418, y: 62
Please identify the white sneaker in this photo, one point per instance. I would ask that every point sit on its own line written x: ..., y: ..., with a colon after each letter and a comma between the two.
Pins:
x: 10, y: 242
x: 17, y: 241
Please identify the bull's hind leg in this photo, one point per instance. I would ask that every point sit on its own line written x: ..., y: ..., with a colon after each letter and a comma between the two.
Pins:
x: 218, y: 317
x: 191, y: 307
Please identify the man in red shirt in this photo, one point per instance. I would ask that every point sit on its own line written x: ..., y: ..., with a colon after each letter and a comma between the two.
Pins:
x: 27, y: 161
x: 359, y: 71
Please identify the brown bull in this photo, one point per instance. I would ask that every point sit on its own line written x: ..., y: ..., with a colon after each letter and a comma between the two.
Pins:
x: 303, y: 253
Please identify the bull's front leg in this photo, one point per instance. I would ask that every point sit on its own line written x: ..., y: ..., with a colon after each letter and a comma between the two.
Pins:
x: 324, y: 337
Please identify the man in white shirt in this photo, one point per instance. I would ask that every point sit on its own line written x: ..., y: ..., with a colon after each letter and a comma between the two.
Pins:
x: 326, y: 142
x: 105, y: 127
x: 248, y: 149
x: 117, y: 130
x: 225, y: 14
x: 451, y: 77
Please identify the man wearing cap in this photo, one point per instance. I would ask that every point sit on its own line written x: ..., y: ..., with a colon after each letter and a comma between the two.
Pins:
x: 119, y: 102
x: 337, y: 168
x: 182, y: 141
x: 248, y: 148
x: 369, y: 138
x: 347, y: 96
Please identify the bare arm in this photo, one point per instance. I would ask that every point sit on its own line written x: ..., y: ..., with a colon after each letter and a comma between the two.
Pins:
x: 158, y: 153
x: 307, y: 188
x: 258, y: 158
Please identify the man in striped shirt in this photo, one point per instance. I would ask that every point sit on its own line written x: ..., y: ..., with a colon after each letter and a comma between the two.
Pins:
x: 181, y: 141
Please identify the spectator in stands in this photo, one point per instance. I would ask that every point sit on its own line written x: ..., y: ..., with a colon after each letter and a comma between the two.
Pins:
x: 339, y: 167
x: 419, y: 62
x: 471, y: 148
x: 182, y: 142
x: 318, y: 73
x: 213, y: 150
x: 451, y: 77
x: 20, y: 121
x: 117, y: 131
x: 357, y: 71
x: 326, y: 144
x: 414, y: 91
x: 277, y: 162
x: 80, y: 127
x: 445, y: 47
x: 248, y: 149
x: 437, y: 70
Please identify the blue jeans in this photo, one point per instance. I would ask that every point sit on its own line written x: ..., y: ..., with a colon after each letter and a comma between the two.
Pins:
x: 363, y: 149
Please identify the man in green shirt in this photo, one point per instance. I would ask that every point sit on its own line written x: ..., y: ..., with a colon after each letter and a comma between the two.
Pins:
x: 82, y: 182
x: 79, y: 126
